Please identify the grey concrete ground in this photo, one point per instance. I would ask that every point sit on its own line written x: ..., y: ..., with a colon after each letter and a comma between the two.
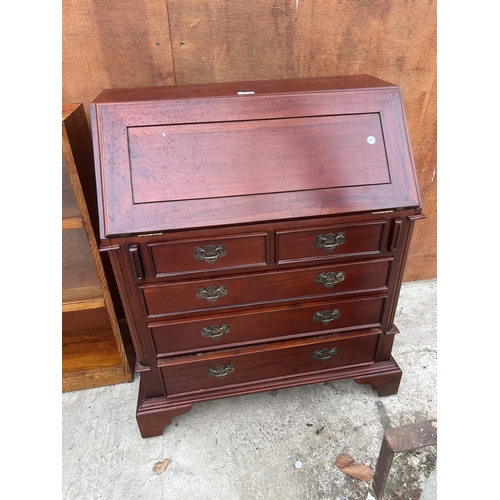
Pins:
x: 249, y: 447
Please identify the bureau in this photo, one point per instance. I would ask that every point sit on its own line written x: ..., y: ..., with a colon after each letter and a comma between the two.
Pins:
x: 258, y: 233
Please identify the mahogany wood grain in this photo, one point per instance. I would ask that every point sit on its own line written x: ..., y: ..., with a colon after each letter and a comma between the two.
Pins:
x: 395, y: 282
x: 362, y: 239
x: 297, y: 320
x: 274, y: 231
x: 215, y: 160
x: 153, y: 421
x: 385, y: 345
x: 228, y: 88
x: 200, y: 164
x: 190, y: 373
x: 289, y: 285
x: 143, y: 347
x: 350, y: 193
x: 386, y: 384
x: 242, y: 251
x: 154, y: 414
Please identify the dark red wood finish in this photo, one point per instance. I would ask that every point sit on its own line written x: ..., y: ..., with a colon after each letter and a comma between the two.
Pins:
x: 142, y: 191
x: 185, y: 336
x: 189, y: 373
x: 365, y: 239
x: 176, y: 257
x: 224, y: 159
x: 283, y: 286
x: 204, y: 189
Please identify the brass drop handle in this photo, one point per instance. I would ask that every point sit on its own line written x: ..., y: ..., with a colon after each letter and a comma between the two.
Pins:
x: 211, y: 293
x: 326, y: 317
x: 220, y: 371
x: 329, y: 241
x: 330, y: 279
x: 210, y: 253
x: 215, y: 332
x: 324, y: 354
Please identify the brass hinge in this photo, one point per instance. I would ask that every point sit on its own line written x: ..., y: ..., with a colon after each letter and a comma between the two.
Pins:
x: 149, y: 234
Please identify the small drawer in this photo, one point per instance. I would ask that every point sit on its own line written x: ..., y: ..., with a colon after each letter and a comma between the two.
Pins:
x: 327, y: 242
x: 218, y: 331
x: 233, y: 291
x: 222, y: 368
x: 198, y: 255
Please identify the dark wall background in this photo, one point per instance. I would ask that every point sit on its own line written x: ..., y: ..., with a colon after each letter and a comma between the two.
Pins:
x: 134, y: 43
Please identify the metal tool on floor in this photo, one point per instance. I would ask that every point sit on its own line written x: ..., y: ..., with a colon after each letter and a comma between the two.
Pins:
x: 399, y: 440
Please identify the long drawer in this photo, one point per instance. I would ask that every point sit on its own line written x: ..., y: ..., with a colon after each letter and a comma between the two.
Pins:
x: 230, y: 291
x: 217, y: 331
x: 281, y: 359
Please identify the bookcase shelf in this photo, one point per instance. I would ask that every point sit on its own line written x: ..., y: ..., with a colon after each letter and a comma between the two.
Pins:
x: 96, y: 347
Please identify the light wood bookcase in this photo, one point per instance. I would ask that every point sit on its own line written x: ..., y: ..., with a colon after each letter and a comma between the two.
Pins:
x: 96, y: 349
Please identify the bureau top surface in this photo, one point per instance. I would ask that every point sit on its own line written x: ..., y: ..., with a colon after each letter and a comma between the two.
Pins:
x: 193, y: 156
x: 229, y: 89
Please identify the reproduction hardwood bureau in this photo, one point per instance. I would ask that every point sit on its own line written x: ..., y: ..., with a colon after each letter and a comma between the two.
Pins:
x: 258, y: 232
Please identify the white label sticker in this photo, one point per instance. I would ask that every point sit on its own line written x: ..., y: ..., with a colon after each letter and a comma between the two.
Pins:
x: 371, y: 139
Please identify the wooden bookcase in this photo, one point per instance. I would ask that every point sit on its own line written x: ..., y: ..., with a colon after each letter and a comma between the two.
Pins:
x: 96, y: 348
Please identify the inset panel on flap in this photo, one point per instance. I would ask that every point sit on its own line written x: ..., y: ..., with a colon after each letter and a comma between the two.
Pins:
x: 216, y: 160
x: 173, y: 158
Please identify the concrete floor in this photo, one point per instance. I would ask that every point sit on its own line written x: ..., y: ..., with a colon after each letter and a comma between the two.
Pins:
x: 248, y: 447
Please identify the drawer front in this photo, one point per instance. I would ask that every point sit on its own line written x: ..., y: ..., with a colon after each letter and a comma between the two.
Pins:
x: 200, y: 255
x: 211, y: 371
x: 329, y: 242
x: 214, y: 332
x: 231, y: 291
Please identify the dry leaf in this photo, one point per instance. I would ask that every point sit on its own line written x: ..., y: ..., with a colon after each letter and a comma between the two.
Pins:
x: 161, y: 466
x: 344, y: 460
x: 346, y: 464
x: 362, y: 472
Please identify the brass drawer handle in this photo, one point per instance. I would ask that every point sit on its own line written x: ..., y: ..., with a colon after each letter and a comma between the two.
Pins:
x: 220, y: 371
x: 330, y: 279
x: 326, y: 317
x: 215, y: 332
x: 211, y: 293
x: 325, y: 353
x: 329, y: 241
x: 210, y: 253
